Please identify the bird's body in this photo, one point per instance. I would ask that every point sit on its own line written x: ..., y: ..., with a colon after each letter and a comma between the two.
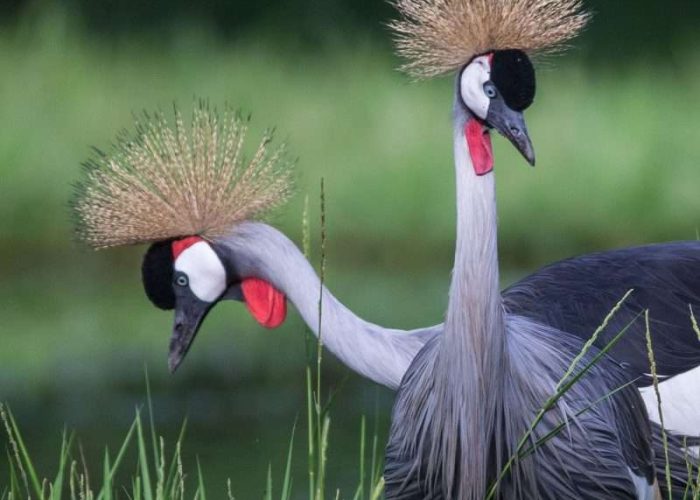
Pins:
x: 602, y: 452
x: 469, y: 397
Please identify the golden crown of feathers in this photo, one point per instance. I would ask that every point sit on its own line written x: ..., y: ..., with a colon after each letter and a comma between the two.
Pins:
x: 169, y: 181
x: 440, y: 36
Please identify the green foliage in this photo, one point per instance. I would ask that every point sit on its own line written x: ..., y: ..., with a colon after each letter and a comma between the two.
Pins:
x: 72, y: 480
x: 156, y: 476
x: 318, y: 410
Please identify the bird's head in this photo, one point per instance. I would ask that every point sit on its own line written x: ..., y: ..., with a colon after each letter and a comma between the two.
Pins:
x: 190, y: 276
x: 169, y: 179
x: 496, y: 88
x: 488, y: 44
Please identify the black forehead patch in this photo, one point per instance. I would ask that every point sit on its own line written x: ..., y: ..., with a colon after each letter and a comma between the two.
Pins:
x: 157, y: 275
x: 514, y: 76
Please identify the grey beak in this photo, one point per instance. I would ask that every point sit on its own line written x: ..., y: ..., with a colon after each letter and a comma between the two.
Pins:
x: 511, y: 125
x: 188, y: 318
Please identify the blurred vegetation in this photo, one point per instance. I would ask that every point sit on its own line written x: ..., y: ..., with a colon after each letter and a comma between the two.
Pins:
x: 614, y: 126
x: 650, y: 26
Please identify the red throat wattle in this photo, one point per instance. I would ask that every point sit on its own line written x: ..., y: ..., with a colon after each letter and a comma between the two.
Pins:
x: 480, y: 149
x: 266, y: 304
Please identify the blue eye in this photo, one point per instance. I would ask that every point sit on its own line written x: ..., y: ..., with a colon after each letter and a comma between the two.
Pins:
x: 490, y: 90
x: 182, y: 281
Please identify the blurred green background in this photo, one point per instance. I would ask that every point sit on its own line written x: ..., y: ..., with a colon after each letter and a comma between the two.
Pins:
x: 615, y: 126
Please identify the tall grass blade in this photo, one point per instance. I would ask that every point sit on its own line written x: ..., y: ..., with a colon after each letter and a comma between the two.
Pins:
x: 376, y: 459
x: 360, y: 492
x: 308, y: 337
x: 57, y: 485
x: 694, y: 321
x: 118, y: 459
x: 137, y: 488
x: 73, y: 476
x: 200, y: 479
x: 24, y: 462
x: 655, y: 379
x: 106, y: 492
x: 587, y: 346
x: 149, y: 403
x: 378, y: 490
x: 171, y: 482
x: 160, y: 486
x: 319, y: 354
x: 229, y: 489
x: 287, y: 483
x: 268, y: 484
x: 143, y: 459
x: 322, y: 458
x: 14, y: 482
x: 311, y: 433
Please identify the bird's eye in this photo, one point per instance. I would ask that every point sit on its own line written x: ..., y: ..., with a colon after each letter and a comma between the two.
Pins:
x: 181, y: 281
x: 490, y: 90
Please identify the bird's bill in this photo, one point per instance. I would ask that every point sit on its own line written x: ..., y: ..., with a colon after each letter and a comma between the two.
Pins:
x: 189, y: 315
x: 511, y: 125
x: 264, y: 302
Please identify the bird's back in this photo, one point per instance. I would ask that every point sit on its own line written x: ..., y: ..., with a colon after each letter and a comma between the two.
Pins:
x: 576, y: 294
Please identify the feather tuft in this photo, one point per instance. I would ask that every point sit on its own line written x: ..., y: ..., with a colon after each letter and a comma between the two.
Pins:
x: 440, y: 36
x: 169, y: 180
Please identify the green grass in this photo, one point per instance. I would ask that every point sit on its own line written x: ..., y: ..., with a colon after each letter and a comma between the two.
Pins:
x: 153, y: 467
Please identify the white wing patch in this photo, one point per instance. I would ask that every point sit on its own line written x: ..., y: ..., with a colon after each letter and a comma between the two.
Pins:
x: 204, y: 270
x: 680, y: 402
x: 471, y: 86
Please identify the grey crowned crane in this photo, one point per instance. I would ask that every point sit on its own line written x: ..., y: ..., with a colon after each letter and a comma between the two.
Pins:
x: 470, y: 395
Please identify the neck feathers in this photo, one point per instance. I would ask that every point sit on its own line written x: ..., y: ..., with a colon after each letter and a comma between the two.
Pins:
x: 474, y: 314
x: 471, y: 361
x: 380, y: 354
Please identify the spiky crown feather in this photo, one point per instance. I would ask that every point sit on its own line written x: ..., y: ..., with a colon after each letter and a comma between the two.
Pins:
x: 440, y: 36
x: 170, y: 181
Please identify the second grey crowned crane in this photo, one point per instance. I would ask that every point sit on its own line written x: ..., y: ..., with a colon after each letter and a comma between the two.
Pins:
x: 471, y: 395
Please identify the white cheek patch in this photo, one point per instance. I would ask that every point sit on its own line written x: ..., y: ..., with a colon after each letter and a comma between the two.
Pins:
x: 204, y: 270
x: 471, y: 86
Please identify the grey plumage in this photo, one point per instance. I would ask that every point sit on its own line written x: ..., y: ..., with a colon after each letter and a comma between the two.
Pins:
x: 589, y: 459
x: 469, y: 396
x: 380, y: 354
x: 383, y: 355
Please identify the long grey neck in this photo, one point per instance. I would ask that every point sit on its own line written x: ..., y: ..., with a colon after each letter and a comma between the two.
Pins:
x: 474, y: 319
x: 471, y: 360
x: 380, y: 354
